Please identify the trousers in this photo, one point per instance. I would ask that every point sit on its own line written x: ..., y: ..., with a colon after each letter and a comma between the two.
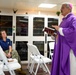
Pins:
x: 14, y: 55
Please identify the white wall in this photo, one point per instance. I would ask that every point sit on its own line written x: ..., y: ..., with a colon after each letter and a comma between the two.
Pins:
x: 28, y: 11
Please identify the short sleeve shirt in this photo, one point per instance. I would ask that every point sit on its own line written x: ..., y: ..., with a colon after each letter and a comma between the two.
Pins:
x: 5, y: 44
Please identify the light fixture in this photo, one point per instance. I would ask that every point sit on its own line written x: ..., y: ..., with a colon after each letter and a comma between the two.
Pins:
x: 44, y: 5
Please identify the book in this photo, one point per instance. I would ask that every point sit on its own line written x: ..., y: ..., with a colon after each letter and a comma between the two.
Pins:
x: 51, y: 31
x: 48, y: 29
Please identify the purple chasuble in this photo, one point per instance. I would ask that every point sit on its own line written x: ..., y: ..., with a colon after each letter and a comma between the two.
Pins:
x: 61, y: 57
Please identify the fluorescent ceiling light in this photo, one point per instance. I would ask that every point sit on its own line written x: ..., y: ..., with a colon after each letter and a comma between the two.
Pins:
x: 44, y: 5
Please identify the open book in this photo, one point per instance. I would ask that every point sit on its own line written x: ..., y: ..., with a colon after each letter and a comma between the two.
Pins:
x: 51, y: 31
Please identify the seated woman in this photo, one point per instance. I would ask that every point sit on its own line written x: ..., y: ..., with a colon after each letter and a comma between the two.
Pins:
x: 6, y: 45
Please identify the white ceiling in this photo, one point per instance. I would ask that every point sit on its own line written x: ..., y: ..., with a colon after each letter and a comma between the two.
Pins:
x: 33, y: 4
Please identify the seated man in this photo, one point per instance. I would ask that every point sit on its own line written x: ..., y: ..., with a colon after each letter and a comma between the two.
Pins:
x: 6, y: 45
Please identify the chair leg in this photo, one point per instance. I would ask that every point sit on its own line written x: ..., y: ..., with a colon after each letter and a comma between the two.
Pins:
x: 37, y: 68
x: 44, y: 68
x: 31, y: 67
x: 29, y: 63
x: 47, y: 68
x: 1, y: 72
x: 12, y: 72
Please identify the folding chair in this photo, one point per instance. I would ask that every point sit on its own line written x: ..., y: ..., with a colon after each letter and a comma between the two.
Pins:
x: 38, y: 59
x: 51, y: 47
x: 9, y: 66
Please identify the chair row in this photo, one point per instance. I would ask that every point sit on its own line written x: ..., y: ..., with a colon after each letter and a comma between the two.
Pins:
x: 35, y: 58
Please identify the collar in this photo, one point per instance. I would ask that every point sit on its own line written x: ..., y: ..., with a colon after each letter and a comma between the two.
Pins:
x: 65, y: 17
x: 3, y: 40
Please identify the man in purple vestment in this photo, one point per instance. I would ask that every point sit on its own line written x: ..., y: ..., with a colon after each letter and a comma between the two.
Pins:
x: 65, y: 44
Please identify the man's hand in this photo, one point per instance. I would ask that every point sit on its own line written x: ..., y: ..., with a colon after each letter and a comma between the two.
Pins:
x: 56, y: 27
x: 8, y: 55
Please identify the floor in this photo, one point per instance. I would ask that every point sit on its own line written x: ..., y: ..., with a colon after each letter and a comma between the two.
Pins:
x: 24, y: 68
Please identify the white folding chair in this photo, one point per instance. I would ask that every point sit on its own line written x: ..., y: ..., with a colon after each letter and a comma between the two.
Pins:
x: 51, y: 47
x: 9, y: 66
x: 37, y: 58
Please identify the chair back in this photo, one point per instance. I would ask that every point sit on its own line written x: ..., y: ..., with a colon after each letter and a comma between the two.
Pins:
x: 4, y: 59
x: 33, y: 49
x: 3, y: 56
x: 8, y: 66
x: 51, y: 47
